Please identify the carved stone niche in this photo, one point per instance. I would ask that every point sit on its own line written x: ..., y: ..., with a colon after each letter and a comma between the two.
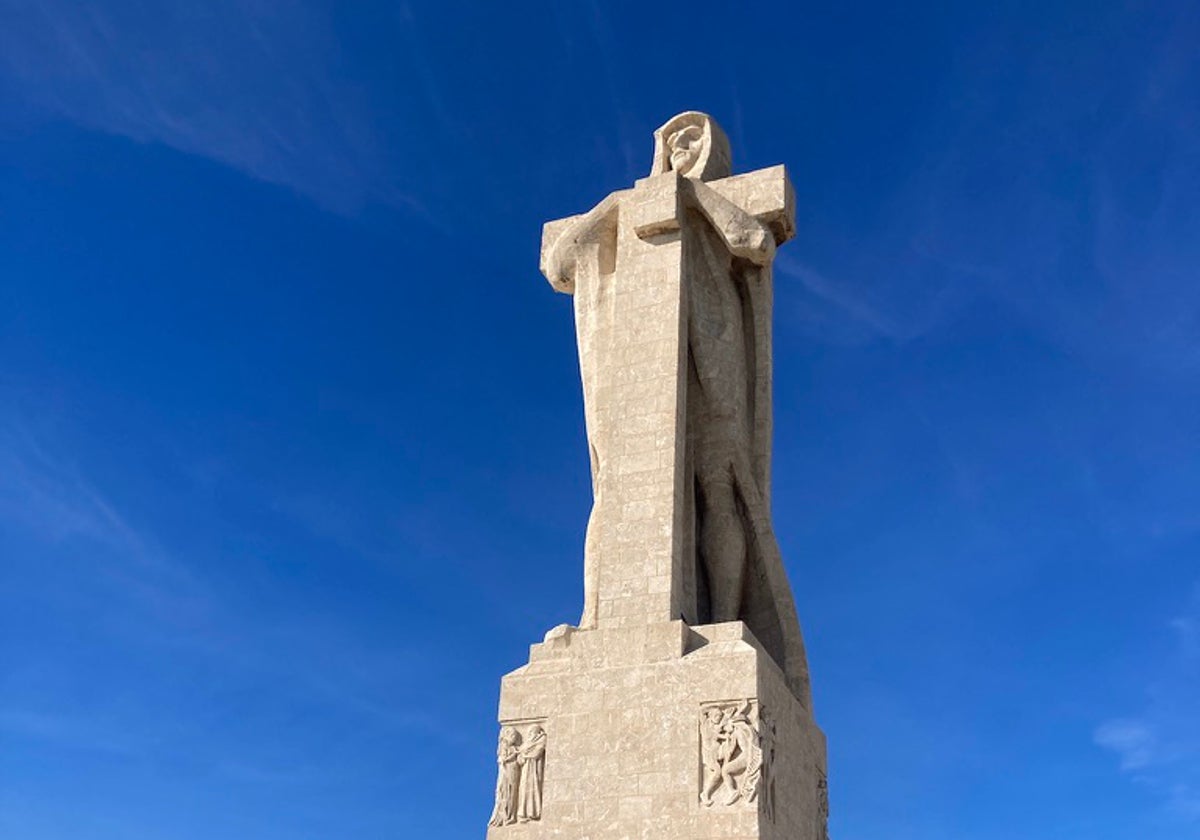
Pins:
x: 520, y: 773
x: 737, y: 748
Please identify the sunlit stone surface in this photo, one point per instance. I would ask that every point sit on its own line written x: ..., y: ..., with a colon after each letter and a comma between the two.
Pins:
x: 679, y: 708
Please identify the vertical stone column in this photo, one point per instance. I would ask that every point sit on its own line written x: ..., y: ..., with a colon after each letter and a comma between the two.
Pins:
x: 630, y: 291
x: 638, y: 550
x: 630, y: 286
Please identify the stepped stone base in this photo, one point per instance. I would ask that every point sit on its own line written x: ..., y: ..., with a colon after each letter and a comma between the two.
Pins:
x: 663, y: 732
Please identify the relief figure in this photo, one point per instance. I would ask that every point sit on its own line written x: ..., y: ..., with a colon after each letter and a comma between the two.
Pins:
x: 520, y: 774
x: 532, y: 759
x: 507, y: 778
x: 731, y: 754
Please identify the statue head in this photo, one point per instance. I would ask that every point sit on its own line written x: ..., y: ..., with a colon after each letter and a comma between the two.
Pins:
x: 693, y: 145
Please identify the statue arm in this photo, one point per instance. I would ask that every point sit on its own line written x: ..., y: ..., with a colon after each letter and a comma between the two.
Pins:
x: 744, y: 235
x: 560, y: 258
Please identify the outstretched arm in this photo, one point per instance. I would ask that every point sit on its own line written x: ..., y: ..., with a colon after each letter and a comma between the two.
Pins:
x: 744, y: 235
x: 558, y: 263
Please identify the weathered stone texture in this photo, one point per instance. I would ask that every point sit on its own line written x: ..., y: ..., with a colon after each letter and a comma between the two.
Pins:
x: 680, y: 706
x: 622, y: 713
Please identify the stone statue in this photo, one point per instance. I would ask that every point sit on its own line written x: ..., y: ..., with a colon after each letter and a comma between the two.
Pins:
x: 532, y: 760
x: 688, y: 618
x: 508, y: 778
x: 725, y: 330
x: 728, y: 562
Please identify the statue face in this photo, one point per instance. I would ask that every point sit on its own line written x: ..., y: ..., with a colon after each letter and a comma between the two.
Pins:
x: 685, y: 147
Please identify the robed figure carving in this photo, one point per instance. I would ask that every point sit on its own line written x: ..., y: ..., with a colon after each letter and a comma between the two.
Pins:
x: 733, y: 566
x: 532, y: 759
x: 508, y: 778
x: 520, y: 776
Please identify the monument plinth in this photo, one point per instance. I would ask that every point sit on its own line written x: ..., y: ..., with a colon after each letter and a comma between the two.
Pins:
x: 679, y: 708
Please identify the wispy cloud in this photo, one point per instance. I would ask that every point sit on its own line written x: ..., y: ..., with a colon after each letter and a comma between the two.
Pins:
x: 243, y: 772
x: 1132, y: 740
x: 602, y: 33
x: 53, y: 503
x: 151, y: 595
x: 1160, y: 746
x: 66, y: 731
x: 1098, y: 257
x: 249, y: 85
x: 891, y: 305
x: 839, y: 296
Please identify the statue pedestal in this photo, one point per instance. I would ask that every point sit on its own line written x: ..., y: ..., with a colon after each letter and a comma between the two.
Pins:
x: 665, y: 732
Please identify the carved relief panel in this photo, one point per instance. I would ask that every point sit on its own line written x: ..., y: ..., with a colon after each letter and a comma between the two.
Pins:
x: 737, y: 746
x: 520, y: 773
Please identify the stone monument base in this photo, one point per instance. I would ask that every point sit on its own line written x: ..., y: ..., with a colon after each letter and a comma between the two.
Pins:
x: 659, y: 732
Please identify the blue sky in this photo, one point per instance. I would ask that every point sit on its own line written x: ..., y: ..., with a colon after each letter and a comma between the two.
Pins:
x: 292, y: 462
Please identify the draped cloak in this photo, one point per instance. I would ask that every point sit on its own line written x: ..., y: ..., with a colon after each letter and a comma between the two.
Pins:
x: 729, y: 295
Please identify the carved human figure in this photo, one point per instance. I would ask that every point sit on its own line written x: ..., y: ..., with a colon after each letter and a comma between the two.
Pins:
x: 730, y: 754
x: 727, y: 348
x: 729, y: 566
x: 741, y: 756
x: 710, y: 750
x: 532, y: 761
x: 726, y: 248
x: 685, y: 145
x: 749, y: 739
x: 508, y: 778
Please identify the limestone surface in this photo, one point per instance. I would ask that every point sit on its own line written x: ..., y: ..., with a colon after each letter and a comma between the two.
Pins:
x: 680, y: 706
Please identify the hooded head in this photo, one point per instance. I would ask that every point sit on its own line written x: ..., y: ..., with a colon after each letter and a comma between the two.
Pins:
x: 693, y: 145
